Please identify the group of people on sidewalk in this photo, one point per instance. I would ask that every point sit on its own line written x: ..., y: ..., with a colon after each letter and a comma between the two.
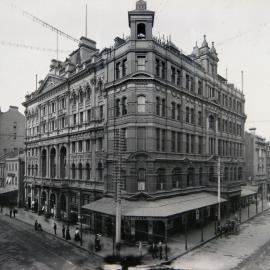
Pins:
x: 12, y: 211
x: 156, y: 250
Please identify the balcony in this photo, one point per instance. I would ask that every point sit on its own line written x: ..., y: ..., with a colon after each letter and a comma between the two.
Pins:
x: 226, y: 187
x: 66, y: 183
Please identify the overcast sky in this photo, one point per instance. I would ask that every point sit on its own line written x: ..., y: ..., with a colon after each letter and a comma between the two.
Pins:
x: 239, y: 28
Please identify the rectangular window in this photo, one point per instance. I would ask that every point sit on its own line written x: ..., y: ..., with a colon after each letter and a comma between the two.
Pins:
x: 192, y: 144
x: 117, y: 70
x: 173, y: 141
x: 140, y: 63
x: 141, y: 136
x: 88, y: 145
x: 124, y: 67
x: 192, y: 118
x: 178, y: 142
x: 80, y: 146
x: 173, y: 74
x: 187, y: 143
x: 158, y: 67
x: 199, y: 88
x: 158, y: 139
x: 74, y: 119
x: 81, y: 117
x: 187, y: 114
x: 191, y: 84
x: 200, y: 150
x: 200, y: 118
x: 173, y: 110
x: 178, y: 112
x: 101, y: 112
x: 187, y: 81
x: 163, y: 140
x: 163, y: 70
x: 88, y: 115
x: 73, y: 147
x: 178, y: 80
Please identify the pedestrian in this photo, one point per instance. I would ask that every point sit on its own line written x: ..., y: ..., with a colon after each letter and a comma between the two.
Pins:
x: 77, y: 235
x: 63, y: 231
x: 152, y: 250
x: 10, y: 213
x: 39, y: 227
x: 97, y: 243
x: 140, y: 248
x: 155, y: 250
x: 36, y: 225
x: 14, y: 212
x: 160, y: 250
x: 67, y: 234
x: 55, y: 228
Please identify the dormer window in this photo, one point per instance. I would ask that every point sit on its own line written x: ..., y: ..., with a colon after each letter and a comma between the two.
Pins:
x: 141, y: 34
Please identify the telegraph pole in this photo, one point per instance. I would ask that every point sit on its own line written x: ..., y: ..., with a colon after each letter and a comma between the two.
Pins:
x: 118, y: 147
x: 218, y: 173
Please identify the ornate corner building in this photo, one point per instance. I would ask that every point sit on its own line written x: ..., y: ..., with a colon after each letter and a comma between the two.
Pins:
x: 174, y: 114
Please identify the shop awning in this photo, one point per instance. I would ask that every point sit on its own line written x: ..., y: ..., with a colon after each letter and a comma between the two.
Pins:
x: 158, y: 208
x: 249, y: 190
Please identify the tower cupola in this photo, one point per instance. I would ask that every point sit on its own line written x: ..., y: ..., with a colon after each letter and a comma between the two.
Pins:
x: 141, y: 22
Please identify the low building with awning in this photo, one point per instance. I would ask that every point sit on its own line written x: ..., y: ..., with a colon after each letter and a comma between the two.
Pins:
x: 147, y: 219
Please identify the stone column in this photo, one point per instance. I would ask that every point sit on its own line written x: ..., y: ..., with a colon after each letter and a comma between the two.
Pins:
x: 39, y: 199
x: 57, y: 203
x: 57, y: 161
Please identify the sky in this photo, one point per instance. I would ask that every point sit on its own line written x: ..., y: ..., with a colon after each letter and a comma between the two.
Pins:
x: 239, y: 28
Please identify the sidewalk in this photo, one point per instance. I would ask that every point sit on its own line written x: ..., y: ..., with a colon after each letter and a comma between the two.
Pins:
x: 176, y: 243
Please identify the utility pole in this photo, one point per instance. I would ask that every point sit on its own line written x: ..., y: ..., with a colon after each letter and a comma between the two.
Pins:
x: 218, y: 173
x: 86, y: 20
x: 118, y: 168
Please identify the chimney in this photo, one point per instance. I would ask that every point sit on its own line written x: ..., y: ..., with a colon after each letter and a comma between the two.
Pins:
x: 252, y: 131
x: 87, y: 49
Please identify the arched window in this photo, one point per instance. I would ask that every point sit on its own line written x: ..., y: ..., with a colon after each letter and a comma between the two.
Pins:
x: 176, y: 178
x: 141, y: 179
x: 117, y: 108
x: 211, y: 122
x: 141, y: 104
x: 88, y: 171
x: 124, y: 105
x: 160, y: 179
x: 53, y: 163
x: 44, y: 163
x: 200, y: 176
x: 190, y: 177
x: 63, y: 155
x: 81, y: 97
x: 141, y: 34
x: 80, y: 171
x: 73, y: 171
x: 88, y: 92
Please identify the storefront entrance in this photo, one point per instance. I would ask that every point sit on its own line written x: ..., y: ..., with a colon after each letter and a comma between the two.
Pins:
x: 141, y: 230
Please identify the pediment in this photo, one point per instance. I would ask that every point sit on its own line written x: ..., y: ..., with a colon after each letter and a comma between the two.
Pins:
x: 49, y: 83
x: 141, y: 196
x: 141, y: 75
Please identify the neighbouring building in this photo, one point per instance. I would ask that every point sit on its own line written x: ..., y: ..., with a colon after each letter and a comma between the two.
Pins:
x: 146, y: 114
x: 257, y: 161
x: 12, y: 170
x: 12, y: 130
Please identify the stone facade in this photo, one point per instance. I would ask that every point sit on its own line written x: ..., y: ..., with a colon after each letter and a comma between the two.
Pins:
x: 173, y: 113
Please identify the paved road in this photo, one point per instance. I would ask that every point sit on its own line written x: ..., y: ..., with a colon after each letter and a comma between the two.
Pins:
x: 260, y: 260
x: 25, y: 249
